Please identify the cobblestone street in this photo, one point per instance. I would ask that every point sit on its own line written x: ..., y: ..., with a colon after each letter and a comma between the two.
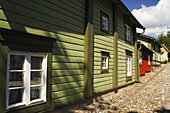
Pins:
x: 166, y: 87
x: 151, y: 95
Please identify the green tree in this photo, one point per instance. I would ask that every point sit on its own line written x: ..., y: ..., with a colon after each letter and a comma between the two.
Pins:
x: 160, y: 38
x: 164, y: 39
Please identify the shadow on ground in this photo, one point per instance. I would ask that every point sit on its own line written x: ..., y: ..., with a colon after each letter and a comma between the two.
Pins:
x: 163, y: 110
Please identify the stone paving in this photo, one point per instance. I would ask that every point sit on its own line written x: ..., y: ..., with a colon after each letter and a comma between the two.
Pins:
x: 152, y: 95
x: 166, y: 88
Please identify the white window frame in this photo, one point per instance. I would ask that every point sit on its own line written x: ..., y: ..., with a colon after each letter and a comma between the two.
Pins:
x: 140, y: 57
x: 129, y: 66
x: 127, y: 32
x: 167, y: 56
x: 105, y: 26
x: 164, y: 54
x: 158, y: 57
x: 26, y: 79
x: 149, y: 60
x: 107, y: 62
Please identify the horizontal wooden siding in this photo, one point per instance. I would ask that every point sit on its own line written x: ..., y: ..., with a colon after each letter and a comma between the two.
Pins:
x: 102, y: 42
x: 62, y: 20
x: 122, y: 47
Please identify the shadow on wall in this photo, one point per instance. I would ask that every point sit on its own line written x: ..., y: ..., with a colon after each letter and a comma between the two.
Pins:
x: 67, y: 72
x: 38, y: 28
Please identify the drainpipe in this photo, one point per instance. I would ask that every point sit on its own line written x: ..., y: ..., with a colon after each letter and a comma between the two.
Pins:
x: 138, y: 71
x: 140, y: 47
x: 138, y: 61
x: 154, y: 55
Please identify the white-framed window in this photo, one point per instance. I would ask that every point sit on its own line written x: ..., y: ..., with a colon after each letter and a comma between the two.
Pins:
x: 127, y: 31
x: 26, y: 79
x: 105, y: 62
x: 164, y: 54
x: 149, y: 62
x: 158, y: 57
x: 129, y: 66
x: 140, y: 57
x: 153, y: 56
x: 104, y: 23
x: 167, y: 56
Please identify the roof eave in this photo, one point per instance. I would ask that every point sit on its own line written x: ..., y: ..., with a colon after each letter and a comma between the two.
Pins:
x: 143, y: 46
x: 145, y: 36
x: 163, y: 45
x: 131, y: 15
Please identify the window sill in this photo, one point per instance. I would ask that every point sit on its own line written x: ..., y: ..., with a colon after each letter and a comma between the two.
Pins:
x: 104, y: 71
x: 128, y: 78
x: 104, y: 31
x: 128, y: 42
x: 25, y: 106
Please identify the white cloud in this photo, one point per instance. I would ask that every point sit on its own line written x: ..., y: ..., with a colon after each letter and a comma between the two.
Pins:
x: 156, y: 30
x: 156, y: 19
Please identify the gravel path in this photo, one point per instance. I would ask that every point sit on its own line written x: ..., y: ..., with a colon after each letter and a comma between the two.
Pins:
x: 151, y: 95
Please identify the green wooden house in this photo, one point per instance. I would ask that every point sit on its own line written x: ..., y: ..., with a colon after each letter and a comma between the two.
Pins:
x: 153, y: 45
x: 57, y: 52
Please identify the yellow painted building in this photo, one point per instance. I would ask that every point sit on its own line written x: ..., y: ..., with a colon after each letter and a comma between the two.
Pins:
x: 164, y: 56
x: 154, y: 46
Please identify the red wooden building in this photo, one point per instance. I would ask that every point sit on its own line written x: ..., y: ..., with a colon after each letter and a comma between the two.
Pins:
x: 145, y: 59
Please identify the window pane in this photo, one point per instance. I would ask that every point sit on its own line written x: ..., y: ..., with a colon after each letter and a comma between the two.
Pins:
x: 104, y: 23
x: 16, y: 79
x: 17, y: 62
x: 103, y: 60
x: 128, y: 29
x: 127, y: 36
x: 149, y: 60
x: 15, y: 96
x: 36, y: 77
x: 35, y: 93
x: 127, y: 66
x: 103, y: 26
x: 36, y: 62
x: 102, y: 20
x: 103, y: 64
x: 130, y: 67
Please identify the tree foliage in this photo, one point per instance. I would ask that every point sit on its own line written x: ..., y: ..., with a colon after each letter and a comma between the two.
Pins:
x: 164, y: 39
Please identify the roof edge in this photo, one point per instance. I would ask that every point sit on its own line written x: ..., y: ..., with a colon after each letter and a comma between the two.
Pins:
x: 139, y: 24
x: 146, y: 36
x: 143, y: 46
x: 163, y: 45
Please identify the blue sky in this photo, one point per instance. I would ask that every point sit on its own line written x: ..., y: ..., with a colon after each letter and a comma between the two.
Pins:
x: 152, y: 14
x: 136, y: 4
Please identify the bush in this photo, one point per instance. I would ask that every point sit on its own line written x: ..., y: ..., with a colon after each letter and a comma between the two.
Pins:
x: 164, y: 62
